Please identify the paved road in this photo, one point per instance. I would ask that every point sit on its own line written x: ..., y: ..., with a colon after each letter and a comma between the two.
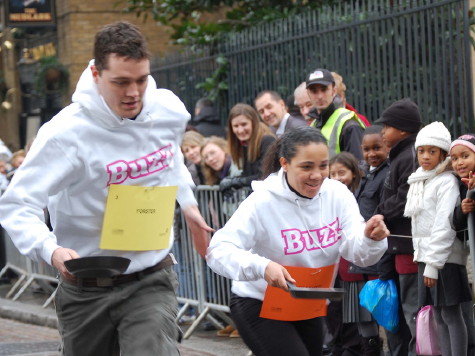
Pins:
x: 17, y: 338
x: 28, y: 329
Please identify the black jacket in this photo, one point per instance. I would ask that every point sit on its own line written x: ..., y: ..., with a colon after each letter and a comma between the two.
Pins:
x: 208, y: 124
x: 402, y: 163
x: 369, y: 193
x: 251, y: 171
x: 460, y: 219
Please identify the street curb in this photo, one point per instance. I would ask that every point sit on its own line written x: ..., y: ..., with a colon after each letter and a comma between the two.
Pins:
x: 26, y: 313
x: 201, y: 343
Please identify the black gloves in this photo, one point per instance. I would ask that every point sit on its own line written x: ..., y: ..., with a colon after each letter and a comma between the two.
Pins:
x: 231, y: 182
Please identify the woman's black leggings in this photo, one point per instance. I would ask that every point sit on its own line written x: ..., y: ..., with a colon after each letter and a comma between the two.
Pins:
x: 273, y: 337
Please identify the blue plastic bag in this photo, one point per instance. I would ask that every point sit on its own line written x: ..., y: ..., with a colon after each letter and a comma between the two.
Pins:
x: 380, y: 298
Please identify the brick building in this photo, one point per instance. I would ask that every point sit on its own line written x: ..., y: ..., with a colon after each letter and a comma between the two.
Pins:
x: 70, y: 37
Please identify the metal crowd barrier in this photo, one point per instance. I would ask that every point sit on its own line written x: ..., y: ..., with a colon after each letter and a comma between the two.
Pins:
x: 28, y: 272
x: 199, y: 286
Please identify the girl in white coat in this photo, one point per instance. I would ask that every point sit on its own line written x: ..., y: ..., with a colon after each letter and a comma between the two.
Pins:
x: 295, y: 217
x: 432, y: 196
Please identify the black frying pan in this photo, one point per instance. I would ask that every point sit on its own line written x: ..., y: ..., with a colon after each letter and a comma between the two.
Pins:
x: 97, y: 266
x: 315, y: 293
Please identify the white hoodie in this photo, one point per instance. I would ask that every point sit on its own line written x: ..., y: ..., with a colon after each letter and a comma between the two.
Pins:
x: 274, y: 224
x: 74, y: 159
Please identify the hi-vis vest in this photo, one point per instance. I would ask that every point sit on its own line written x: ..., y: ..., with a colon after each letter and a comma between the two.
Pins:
x: 333, y: 127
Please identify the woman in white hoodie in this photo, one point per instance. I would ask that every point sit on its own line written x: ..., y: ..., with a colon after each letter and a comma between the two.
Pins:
x: 295, y: 217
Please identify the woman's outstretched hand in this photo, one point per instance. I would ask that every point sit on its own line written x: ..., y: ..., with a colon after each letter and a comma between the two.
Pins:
x: 277, y: 276
x: 376, y: 228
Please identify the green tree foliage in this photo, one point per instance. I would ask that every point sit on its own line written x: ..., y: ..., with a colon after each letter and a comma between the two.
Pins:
x: 185, y: 17
x: 471, y: 19
x: 186, y: 20
x: 216, y: 83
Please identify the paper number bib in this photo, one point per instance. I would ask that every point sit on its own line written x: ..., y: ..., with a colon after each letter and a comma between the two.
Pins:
x: 138, y: 218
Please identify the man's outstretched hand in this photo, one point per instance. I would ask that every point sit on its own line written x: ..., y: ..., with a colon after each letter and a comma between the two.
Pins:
x: 199, y: 229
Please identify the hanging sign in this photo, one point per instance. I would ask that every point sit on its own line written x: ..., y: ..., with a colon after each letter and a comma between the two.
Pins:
x: 29, y: 13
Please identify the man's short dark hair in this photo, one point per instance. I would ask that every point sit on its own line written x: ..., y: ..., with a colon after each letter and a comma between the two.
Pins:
x: 121, y: 38
x: 273, y: 94
x: 204, y: 102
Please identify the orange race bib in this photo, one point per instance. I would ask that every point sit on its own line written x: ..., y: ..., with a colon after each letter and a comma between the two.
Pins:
x: 280, y: 305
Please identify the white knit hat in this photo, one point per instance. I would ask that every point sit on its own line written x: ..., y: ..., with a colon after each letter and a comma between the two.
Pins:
x: 434, y: 134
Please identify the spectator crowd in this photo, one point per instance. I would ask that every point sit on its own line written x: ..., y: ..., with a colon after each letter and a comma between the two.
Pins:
x: 9, y: 163
x: 385, y: 167
x: 415, y: 178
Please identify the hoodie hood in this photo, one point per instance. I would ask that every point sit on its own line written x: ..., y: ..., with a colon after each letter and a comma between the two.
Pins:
x: 87, y: 95
x: 277, y: 184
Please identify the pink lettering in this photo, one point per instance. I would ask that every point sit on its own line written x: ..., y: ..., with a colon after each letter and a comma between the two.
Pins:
x: 333, y: 233
x: 293, y: 242
x: 119, y: 171
x: 309, y: 241
x: 296, y: 241
x: 137, y: 168
x: 159, y: 160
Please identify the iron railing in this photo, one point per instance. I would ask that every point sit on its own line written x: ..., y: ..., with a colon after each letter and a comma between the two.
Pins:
x: 385, y: 50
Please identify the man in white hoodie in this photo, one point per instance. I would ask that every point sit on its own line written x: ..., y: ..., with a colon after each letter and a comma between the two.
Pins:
x: 120, y: 129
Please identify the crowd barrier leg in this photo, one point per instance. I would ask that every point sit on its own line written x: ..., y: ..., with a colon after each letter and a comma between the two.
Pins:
x: 215, y: 321
x: 206, y: 314
x: 22, y: 275
x: 50, y: 299
x: 183, y: 309
x: 33, y: 277
x: 28, y: 273
x: 196, y: 323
